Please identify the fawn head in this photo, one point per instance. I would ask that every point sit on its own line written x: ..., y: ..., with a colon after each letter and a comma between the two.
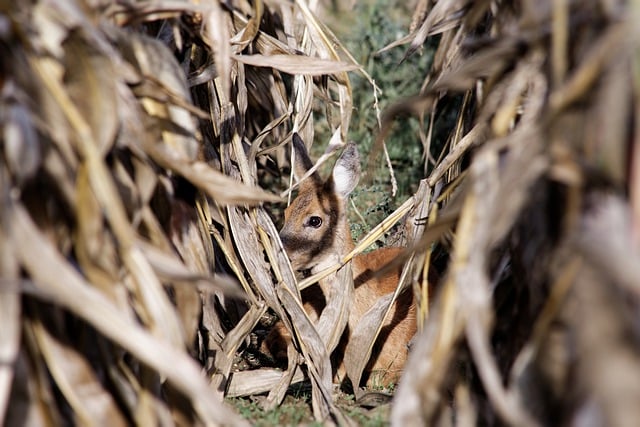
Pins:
x: 316, y: 232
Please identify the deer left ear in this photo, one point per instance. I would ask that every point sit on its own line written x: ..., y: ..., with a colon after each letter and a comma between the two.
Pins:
x: 346, y: 171
x: 302, y: 161
x: 302, y: 164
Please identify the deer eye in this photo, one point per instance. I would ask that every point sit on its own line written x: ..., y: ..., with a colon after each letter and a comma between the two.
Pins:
x: 315, y: 221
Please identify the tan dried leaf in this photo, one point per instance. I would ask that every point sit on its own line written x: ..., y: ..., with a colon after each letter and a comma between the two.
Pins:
x: 61, y: 283
x: 297, y: 64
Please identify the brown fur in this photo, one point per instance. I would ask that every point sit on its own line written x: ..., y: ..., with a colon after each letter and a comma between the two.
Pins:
x: 315, y: 248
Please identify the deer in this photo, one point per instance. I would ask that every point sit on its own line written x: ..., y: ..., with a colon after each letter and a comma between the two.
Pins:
x: 316, y: 234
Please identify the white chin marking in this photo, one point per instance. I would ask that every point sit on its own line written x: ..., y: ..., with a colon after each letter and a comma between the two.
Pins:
x: 325, y: 263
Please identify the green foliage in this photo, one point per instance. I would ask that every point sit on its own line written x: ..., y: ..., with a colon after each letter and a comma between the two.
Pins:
x: 296, y: 410
x: 365, y: 31
x: 293, y: 411
x: 374, y: 29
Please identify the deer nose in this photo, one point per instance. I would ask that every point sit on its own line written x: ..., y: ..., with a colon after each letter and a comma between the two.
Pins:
x: 285, y: 238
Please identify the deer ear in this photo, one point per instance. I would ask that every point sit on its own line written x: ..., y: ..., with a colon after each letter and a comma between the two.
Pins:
x: 346, y: 171
x: 302, y: 162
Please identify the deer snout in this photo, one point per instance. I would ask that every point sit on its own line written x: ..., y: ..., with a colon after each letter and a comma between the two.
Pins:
x: 286, y: 238
x: 292, y: 244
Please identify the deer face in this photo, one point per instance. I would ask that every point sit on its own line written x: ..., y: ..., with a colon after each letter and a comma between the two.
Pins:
x: 315, y: 230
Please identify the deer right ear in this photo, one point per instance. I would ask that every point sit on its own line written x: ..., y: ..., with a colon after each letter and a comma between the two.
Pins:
x: 346, y: 171
x: 301, y: 162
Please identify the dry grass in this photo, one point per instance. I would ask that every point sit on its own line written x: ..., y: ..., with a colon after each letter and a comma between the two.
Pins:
x: 136, y: 253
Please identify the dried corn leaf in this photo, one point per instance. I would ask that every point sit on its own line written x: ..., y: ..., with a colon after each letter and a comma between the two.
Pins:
x: 229, y: 346
x: 217, y: 185
x: 60, y: 282
x: 296, y: 64
x: 10, y: 312
x: 532, y: 175
x: 363, y: 337
x: 91, y: 403
x: 22, y: 150
x: 314, y: 351
x: 98, y: 108
x: 246, y: 383
x: 89, y: 83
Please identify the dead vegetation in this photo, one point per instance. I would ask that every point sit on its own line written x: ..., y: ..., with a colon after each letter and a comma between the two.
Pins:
x: 140, y: 141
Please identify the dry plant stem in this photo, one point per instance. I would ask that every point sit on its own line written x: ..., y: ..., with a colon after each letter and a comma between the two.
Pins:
x: 164, y: 319
x: 317, y: 358
x: 590, y: 69
x: 275, y: 251
x: 504, y: 402
x: 301, y: 328
x: 358, y: 213
x: 45, y: 343
x: 233, y: 264
x: 245, y: 170
x: 468, y: 272
x: 40, y: 259
x: 469, y: 264
x: 608, y: 244
x: 418, y: 394
x: 324, y: 41
x: 213, y: 34
x: 256, y: 144
x: 285, y: 277
x: 363, y: 337
x: 416, y: 226
x: 394, y: 183
x: 247, y: 383
x: 119, y: 139
x: 296, y: 64
x: 10, y: 310
x: 278, y: 390
x: 476, y: 328
x: 230, y: 345
x: 608, y: 355
x: 250, y: 251
x: 335, y: 315
x: 560, y: 37
x: 474, y: 136
x: 634, y: 175
x: 285, y: 300
x: 428, y: 139
x: 425, y: 297
x: 541, y: 140
x: 559, y: 291
x: 76, y: 379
